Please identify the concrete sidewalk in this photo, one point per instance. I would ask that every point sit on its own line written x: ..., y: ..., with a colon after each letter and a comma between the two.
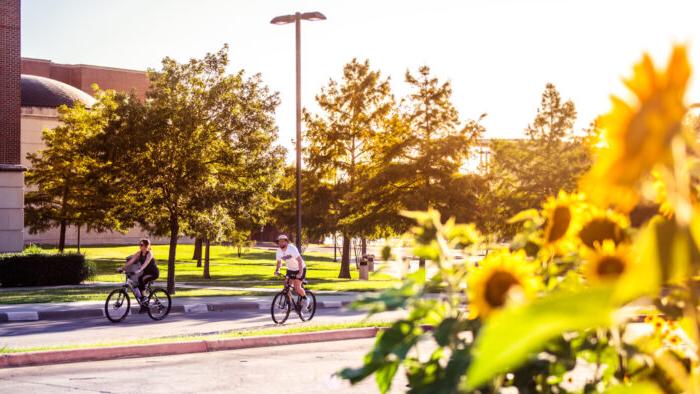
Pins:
x: 72, y: 310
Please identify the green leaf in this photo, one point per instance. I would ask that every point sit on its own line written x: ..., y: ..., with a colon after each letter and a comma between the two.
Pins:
x: 635, y: 388
x: 385, y: 375
x: 392, y: 299
x: 511, y: 336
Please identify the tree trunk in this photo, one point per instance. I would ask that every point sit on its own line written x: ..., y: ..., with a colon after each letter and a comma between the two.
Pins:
x: 364, y: 246
x: 335, y: 247
x: 345, y: 259
x: 78, y: 239
x: 206, y: 260
x: 421, y: 266
x: 239, y: 251
x: 174, y: 232
x: 197, y: 255
x: 62, y: 236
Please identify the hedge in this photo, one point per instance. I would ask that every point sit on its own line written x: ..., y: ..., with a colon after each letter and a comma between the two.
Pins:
x: 44, y: 269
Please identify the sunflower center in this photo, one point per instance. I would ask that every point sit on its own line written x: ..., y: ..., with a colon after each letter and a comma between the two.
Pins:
x: 610, y: 267
x: 498, y: 286
x: 561, y: 218
x: 598, y: 230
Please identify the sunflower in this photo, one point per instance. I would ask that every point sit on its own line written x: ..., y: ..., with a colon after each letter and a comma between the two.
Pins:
x: 607, y: 262
x: 501, y: 277
x: 562, y: 222
x: 603, y: 224
x: 638, y: 135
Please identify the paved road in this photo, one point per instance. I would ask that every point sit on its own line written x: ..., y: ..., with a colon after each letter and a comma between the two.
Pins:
x: 100, y: 330
x: 307, y: 368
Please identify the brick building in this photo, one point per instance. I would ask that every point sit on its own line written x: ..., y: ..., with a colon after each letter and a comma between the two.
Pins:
x: 11, y: 172
x: 31, y: 90
x: 82, y: 76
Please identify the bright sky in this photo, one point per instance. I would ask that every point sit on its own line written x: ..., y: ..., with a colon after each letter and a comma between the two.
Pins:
x: 498, y: 53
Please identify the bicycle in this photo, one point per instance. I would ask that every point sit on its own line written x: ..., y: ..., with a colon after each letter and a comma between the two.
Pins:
x: 283, y: 302
x: 118, y: 303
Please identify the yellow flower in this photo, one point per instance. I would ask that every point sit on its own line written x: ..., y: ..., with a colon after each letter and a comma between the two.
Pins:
x: 606, y: 262
x: 603, y: 224
x: 500, y: 277
x: 562, y: 221
x: 637, y: 135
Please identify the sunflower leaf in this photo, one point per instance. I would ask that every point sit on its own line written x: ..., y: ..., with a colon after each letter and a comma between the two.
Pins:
x: 510, y: 336
x: 528, y: 214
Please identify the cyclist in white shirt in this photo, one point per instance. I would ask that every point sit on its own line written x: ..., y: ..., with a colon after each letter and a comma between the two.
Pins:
x: 296, y: 267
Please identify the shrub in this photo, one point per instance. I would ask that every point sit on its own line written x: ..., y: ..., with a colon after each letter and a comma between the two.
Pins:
x: 33, y: 249
x: 44, y: 269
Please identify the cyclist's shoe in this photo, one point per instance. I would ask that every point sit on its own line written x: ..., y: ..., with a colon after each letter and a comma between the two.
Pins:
x: 143, y: 302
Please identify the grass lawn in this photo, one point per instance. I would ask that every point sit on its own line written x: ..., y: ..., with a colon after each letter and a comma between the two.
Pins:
x: 253, y: 269
x: 223, y: 335
x: 28, y: 295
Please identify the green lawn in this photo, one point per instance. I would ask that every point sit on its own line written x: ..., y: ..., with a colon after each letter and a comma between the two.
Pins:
x: 253, y: 269
x: 28, y: 295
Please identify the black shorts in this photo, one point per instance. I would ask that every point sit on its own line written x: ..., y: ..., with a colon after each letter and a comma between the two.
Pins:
x: 149, y: 275
x: 293, y: 274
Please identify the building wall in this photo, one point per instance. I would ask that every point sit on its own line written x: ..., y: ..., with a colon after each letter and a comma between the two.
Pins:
x: 9, y: 82
x: 34, y: 121
x: 11, y: 173
x: 82, y: 76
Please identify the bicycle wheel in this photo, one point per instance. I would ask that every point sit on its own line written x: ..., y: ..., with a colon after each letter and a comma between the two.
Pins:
x: 280, y: 308
x: 306, y: 314
x: 117, y: 305
x: 158, y: 304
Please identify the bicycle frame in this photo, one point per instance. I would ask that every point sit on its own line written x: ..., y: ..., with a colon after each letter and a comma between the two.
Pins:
x: 130, y: 284
x: 288, y: 289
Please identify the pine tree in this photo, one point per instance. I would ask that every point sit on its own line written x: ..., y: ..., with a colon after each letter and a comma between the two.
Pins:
x: 341, y: 142
x: 419, y: 157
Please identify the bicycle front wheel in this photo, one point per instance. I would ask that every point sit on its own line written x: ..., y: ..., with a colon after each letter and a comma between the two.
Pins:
x: 158, y: 304
x: 307, y: 313
x: 117, y: 305
x: 280, y: 308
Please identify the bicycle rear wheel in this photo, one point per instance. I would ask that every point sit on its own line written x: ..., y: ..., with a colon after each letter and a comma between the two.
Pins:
x: 117, y: 305
x: 306, y: 314
x: 280, y: 308
x: 158, y: 304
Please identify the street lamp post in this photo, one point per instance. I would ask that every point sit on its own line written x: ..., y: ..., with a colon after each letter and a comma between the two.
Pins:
x: 296, y: 19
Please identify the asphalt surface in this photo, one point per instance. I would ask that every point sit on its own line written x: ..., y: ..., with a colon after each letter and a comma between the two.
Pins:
x: 307, y: 368
x: 100, y: 330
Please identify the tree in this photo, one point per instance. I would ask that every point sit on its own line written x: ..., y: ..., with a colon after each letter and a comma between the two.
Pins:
x: 214, y: 225
x: 318, y: 198
x: 523, y: 173
x: 340, y: 142
x: 64, y: 183
x: 199, y: 131
x: 419, y: 158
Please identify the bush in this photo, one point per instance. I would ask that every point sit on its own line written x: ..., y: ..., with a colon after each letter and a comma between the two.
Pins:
x: 44, y: 269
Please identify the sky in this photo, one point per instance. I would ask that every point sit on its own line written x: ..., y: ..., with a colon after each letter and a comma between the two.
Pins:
x: 498, y: 54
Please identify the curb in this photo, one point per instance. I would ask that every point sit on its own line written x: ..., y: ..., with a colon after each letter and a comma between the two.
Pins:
x: 19, y: 316
x: 164, y: 349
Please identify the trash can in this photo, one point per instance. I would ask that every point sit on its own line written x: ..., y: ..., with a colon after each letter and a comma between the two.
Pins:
x: 370, y: 262
x: 364, y: 269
